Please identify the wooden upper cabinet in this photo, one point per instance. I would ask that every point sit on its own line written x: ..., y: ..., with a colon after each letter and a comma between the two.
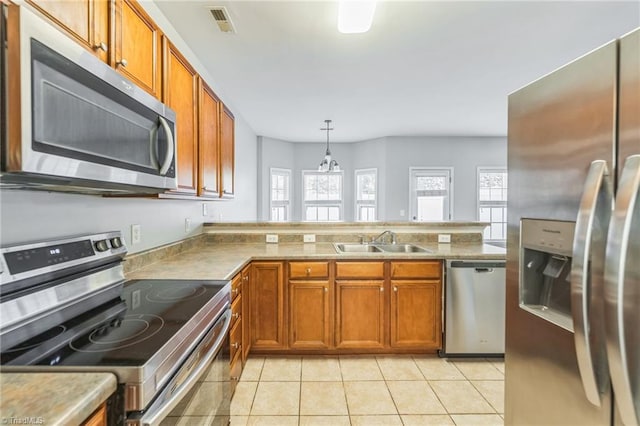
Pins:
x: 87, y: 21
x: 227, y: 155
x: 209, y: 136
x: 137, y: 46
x: 181, y: 95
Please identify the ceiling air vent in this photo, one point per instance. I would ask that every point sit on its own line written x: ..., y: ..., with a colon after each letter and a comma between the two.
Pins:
x: 221, y: 16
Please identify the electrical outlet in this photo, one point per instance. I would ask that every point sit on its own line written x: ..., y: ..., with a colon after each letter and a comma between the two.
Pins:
x: 187, y: 224
x: 402, y: 213
x: 272, y: 238
x: 204, y: 209
x: 309, y: 238
x: 444, y: 238
x: 136, y: 234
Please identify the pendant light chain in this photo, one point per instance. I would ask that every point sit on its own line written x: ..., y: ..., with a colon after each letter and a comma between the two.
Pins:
x: 328, y: 164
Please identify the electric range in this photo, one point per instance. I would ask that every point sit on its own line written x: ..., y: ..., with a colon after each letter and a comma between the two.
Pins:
x: 162, y: 338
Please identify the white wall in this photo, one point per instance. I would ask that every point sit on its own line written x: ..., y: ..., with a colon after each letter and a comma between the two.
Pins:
x: 33, y: 215
x: 392, y: 157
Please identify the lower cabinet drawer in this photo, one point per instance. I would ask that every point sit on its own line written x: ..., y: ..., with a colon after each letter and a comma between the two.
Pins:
x: 236, y: 310
x: 235, y: 339
x: 235, y: 371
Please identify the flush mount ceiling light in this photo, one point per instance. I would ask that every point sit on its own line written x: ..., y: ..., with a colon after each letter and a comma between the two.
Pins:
x: 327, y: 164
x: 355, y: 16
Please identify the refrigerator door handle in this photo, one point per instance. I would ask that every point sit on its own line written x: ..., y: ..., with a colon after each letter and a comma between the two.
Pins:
x: 595, y: 207
x: 619, y: 288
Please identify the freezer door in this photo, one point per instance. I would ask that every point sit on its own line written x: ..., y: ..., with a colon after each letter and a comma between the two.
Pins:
x: 558, y: 126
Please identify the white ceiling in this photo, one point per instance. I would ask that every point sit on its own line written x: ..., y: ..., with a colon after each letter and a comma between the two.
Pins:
x: 424, y: 68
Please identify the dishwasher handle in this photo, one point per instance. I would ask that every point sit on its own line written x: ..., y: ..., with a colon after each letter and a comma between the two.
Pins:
x: 478, y: 266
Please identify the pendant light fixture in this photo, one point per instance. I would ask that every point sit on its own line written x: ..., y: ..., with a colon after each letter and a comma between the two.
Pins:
x: 328, y: 164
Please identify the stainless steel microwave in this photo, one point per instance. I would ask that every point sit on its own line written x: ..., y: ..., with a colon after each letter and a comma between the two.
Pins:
x: 72, y: 123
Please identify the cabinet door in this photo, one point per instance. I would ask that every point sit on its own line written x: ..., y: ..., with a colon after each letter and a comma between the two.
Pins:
x: 87, y: 21
x: 416, y: 314
x: 227, y: 141
x: 137, y: 40
x: 246, y: 313
x: 309, y: 315
x: 98, y: 418
x: 181, y: 95
x: 267, y: 306
x: 360, y: 314
x: 209, y: 143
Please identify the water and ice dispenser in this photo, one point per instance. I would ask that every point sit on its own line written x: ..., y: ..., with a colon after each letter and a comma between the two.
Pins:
x: 545, y: 270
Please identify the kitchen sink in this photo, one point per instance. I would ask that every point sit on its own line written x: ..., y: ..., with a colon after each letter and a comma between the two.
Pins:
x: 379, y: 248
x: 357, y: 248
x: 403, y: 248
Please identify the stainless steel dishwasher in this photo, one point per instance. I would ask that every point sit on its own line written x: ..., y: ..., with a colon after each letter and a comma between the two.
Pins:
x: 474, y: 308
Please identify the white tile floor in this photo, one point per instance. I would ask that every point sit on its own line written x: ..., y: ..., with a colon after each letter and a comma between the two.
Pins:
x: 369, y: 390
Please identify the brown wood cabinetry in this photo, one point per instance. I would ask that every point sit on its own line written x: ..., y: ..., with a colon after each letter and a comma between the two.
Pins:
x: 209, y: 143
x: 360, y: 314
x: 246, y: 315
x: 181, y: 95
x: 416, y: 305
x: 310, y: 305
x: 98, y: 418
x: 267, y: 306
x: 227, y: 152
x: 87, y: 21
x: 137, y: 46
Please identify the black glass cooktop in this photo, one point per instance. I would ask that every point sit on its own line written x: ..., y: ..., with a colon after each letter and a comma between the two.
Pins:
x: 123, y: 332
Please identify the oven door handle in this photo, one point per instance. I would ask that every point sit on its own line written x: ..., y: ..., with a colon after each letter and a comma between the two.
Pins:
x: 161, y: 408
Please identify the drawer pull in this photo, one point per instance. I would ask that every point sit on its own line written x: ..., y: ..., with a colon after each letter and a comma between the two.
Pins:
x: 395, y: 288
x: 236, y: 315
x: 122, y: 62
x: 381, y: 288
x: 308, y: 270
x: 235, y: 345
x: 326, y: 289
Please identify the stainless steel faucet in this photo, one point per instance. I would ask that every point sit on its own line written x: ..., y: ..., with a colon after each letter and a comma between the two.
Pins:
x: 381, y: 238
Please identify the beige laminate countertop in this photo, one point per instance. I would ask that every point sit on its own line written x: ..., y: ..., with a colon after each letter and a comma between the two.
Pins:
x: 223, y: 261
x: 52, y: 398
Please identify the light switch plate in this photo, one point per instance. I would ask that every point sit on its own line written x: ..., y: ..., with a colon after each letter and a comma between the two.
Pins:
x: 444, y: 238
x: 272, y: 238
x: 309, y: 238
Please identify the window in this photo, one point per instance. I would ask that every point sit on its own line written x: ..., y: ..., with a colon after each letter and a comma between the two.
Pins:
x: 366, y: 195
x: 430, y: 199
x: 492, y: 202
x: 280, y: 195
x: 322, y: 196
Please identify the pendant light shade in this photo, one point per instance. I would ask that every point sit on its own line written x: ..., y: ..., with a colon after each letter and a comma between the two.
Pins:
x: 328, y: 164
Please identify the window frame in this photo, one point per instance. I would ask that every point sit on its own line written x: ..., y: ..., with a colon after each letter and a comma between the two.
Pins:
x: 357, y: 203
x: 322, y: 203
x: 429, y: 171
x: 479, y: 203
x: 279, y: 203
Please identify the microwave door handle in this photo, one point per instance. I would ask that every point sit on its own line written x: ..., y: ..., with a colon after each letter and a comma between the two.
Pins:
x: 595, y: 205
x: 168, y: 157
x: 153, y: 147
x: 620, y: 290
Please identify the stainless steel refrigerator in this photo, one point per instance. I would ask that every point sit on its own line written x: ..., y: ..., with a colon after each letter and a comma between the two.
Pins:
x: 573, y: 247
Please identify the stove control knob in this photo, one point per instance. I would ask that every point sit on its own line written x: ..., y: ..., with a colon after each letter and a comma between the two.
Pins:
x: 102, y: 245
x: 116, y: 242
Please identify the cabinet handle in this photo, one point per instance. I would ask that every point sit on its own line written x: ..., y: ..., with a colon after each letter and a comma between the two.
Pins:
x: 234, y: 291
x: 326, y: 289
x: 381, y: 288
x: 101, y: 46
x: 236, y: 345
x: 246, y: 278
x: 235, y: 378
x: 236, y: 315
x: 122, y: 62
x: 308, y: 270
x: 395, y: 288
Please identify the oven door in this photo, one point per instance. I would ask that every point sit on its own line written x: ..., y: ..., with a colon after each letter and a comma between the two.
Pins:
x: 199, y: 392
